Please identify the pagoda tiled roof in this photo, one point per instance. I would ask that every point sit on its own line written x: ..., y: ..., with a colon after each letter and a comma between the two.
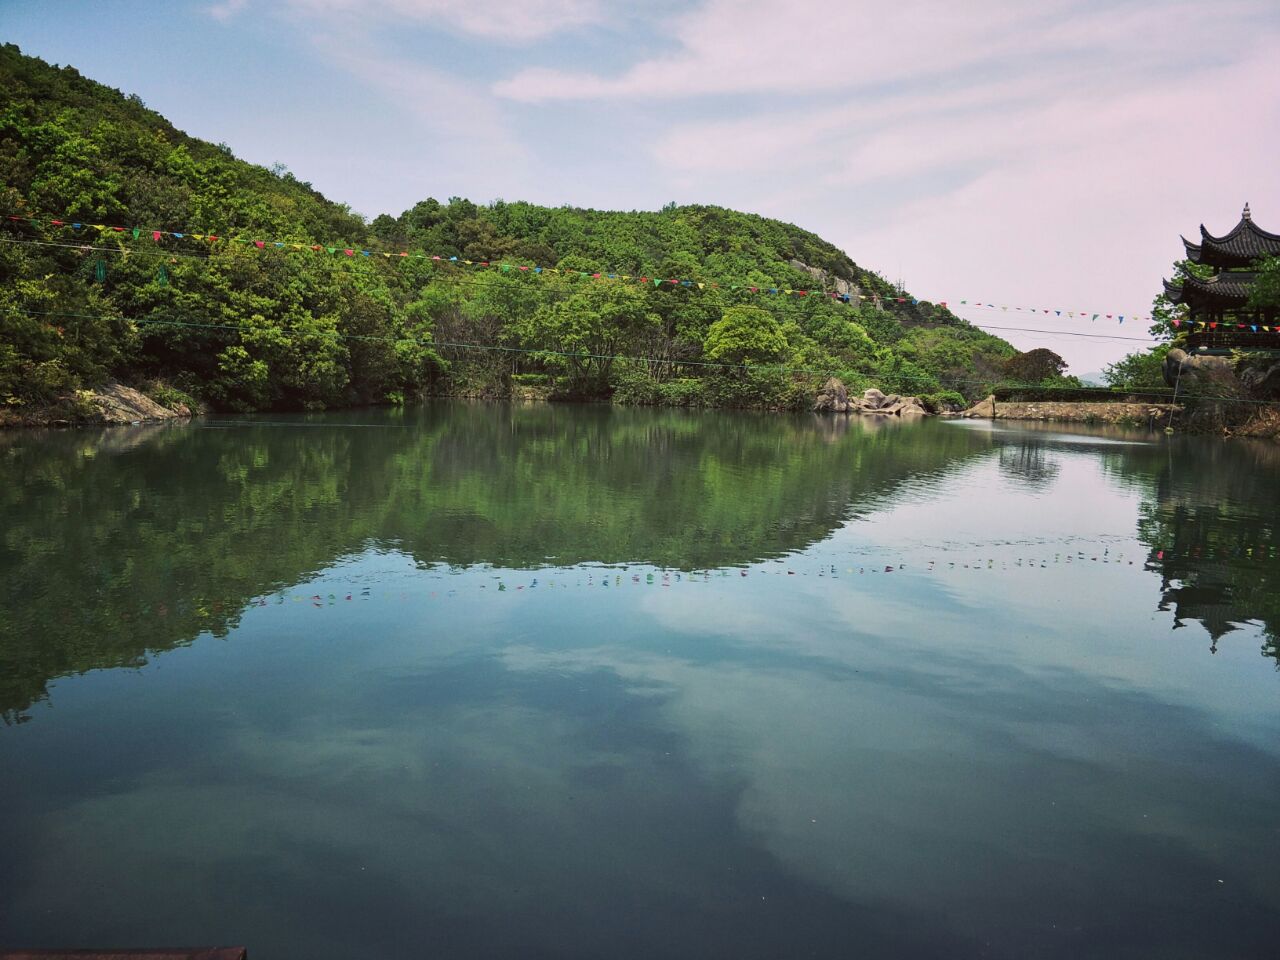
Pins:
x: 1244, y: 244
x: 1225, y: 289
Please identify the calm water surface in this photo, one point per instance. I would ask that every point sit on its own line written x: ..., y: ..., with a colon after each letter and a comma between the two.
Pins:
x: 478, y: 681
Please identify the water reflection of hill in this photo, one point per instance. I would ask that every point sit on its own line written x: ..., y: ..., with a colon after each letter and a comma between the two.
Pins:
x: 124, y: 543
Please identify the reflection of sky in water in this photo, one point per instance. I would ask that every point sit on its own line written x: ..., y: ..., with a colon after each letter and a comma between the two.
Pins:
x: 995, y: 749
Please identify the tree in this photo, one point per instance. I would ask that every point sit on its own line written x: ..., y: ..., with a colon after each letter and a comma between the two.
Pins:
x: 594, y: 325
x: 1035, y: 366
x: 1265, y: 294
x: 745, y: 336
x: 1142, y: 370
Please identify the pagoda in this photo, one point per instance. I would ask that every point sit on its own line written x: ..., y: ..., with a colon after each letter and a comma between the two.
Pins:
x: 1220, y: 318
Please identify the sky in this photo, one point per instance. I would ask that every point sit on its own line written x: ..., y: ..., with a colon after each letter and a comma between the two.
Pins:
x: 1039, y: 155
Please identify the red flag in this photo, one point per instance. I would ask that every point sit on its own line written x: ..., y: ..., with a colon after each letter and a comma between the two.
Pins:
x: 349, y: 253
x: 155, y: 235
x: 260, y: 244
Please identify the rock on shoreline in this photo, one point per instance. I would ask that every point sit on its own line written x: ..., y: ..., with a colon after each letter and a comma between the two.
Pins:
x: 834, y: 398
x: 112, y: 404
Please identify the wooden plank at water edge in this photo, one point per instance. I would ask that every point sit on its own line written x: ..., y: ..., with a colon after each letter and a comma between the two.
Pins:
x: 168, y: 953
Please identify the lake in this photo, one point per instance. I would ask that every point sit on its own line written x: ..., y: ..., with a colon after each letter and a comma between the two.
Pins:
x: 471, y: 680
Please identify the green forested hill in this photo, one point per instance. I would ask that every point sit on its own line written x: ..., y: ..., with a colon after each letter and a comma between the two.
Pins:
x: 278, y: 325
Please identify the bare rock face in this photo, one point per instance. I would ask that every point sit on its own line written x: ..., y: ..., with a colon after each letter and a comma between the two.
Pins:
x: 111, y: 404
x: 1179, y: 363
x: 873, y: 401
x: 983, y: 409
x: 833, y: 398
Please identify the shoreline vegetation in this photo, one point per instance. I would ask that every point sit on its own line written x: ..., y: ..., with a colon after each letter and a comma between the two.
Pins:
x: 115, y: 404
x: 281, y: 299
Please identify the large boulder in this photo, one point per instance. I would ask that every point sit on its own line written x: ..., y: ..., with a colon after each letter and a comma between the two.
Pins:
x: 983, y: 409
x: 903, y: 407
x: 1179, y: 363
x: 832, y: 398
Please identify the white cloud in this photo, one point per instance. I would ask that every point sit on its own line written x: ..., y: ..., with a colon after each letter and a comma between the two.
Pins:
x: 226, y: 9
x: 751, y: 46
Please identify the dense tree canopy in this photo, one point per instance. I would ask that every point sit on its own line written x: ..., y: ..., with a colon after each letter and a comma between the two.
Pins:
x: 292, y: 322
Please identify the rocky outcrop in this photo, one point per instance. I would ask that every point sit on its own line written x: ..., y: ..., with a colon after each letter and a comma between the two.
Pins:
x: 111, y: 404
x: 1180, y: 364
x: 832, y: 283
x: 834, y: 398
x: 873, y: 401
x: 120, y: 404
